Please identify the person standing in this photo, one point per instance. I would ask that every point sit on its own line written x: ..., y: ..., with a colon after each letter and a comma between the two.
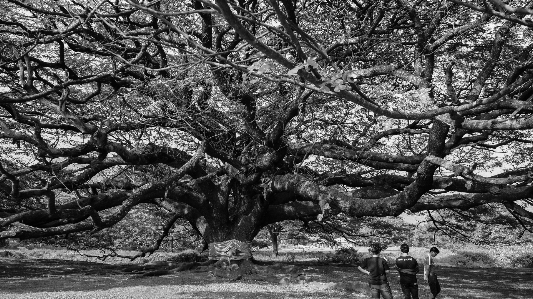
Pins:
x: 430, y: 273
x: 407, y: 267
x: 375, y: 267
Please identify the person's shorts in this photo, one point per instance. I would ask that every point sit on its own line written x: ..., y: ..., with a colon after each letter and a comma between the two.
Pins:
x: 434, y: 285
x: 380, y: 289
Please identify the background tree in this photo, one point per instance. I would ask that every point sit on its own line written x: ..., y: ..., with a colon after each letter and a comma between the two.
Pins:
x: 234, y: 115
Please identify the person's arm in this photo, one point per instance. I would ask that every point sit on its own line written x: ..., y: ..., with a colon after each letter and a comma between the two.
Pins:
x: 398, y: 267
x: 427, y: 264
x: 386, y: 265
x: 363, y: 270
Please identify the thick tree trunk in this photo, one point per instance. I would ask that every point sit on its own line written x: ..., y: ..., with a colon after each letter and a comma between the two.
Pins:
x: 274, y: 238
x: 230, y: 247
x: 274, y: 230
x: 229, y: 218
x: 231, y: 227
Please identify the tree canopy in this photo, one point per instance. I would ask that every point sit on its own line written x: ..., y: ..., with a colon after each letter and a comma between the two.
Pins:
x: 234, y: 115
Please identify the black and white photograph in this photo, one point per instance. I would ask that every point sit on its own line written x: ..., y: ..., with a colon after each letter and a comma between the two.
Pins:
x: 271, y: 149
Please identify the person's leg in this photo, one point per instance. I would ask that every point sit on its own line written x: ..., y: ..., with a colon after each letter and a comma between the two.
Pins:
x: 385, y: 291
x: 437, y: 287
x: 414, y: 290
x: 374, y: 291
x: 434, y: 285
x: 406, y: 291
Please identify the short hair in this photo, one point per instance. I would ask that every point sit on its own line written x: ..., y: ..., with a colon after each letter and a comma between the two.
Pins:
x: 434, y: 249
x: 375, y: 248
x: 404, y: 248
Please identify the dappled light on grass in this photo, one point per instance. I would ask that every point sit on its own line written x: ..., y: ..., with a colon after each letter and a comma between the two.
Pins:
x: 487, y: 283
x: 211, y: 290
x: 53, y: 279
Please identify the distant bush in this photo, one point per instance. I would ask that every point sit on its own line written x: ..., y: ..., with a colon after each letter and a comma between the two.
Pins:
x: 343, y: 255
x: 289, y: 257
x: 471, y: 259
x: 524, y: 260
x: 81, y: 241
x: 260, y: 243
x: 515, y: 256
x: 10, y: 254
x: 187, y: 256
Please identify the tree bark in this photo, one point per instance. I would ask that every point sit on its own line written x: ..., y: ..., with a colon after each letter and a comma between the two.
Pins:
x: 273, y: 231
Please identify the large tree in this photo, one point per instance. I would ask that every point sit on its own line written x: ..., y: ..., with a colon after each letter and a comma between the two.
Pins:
x: 238, y: 114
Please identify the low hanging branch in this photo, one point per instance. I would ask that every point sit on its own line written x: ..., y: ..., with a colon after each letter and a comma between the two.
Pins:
x: 26, y: 73
x: 468, y: 173
x: 149, y: 190
x: 15, y: 184
x: 166, y: 230
x: 140, y: 195
x: 517, y: 211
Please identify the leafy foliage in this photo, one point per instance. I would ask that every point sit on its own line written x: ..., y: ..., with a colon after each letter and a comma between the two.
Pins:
x: 234, y: 115
x: 523, y: 261
x: 490, y: 224
x: 348, y: 256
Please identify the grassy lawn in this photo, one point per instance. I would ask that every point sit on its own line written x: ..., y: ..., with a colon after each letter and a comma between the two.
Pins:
x: 59, y: 278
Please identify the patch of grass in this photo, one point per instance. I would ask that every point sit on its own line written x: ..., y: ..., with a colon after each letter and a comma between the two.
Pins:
x: 471, y: 259
x: 464, y: 256
x: 25, y: 277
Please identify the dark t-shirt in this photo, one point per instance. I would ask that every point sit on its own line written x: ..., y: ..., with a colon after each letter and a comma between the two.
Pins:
x: 377, y: 267
x: 408, y: 267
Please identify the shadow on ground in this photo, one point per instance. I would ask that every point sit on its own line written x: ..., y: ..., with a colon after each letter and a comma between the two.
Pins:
x: 487, y: 282
x: 21, y: 275
x: 42, y: 275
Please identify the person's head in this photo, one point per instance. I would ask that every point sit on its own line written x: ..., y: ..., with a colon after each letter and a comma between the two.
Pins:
x: 433, y: 251
x: 404, y: 248
x: 375, y: 248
